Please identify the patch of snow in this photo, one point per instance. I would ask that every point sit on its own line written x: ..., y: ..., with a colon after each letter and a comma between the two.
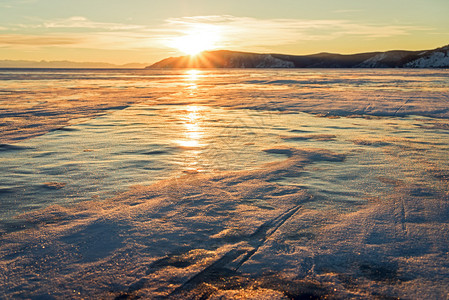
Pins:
x: 271, y: 62
x: 373, y: 61
x: 434, y: 60
x: 377, y: 61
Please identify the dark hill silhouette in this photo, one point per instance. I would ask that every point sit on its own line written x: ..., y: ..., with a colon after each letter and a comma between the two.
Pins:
x: 436, y: 58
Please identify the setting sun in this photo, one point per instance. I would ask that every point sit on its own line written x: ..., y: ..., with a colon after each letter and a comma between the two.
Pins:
x: 198, y: 39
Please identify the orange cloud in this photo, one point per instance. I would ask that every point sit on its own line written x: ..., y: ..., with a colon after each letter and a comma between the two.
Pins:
x: 39, y: 40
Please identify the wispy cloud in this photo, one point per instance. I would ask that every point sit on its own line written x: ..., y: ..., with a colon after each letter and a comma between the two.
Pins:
x: 235, y: 32
x: 246, y: 31
x: 82, y: 22
x: 80, y: 32
x: 39, y: 40
x: 94, y: 40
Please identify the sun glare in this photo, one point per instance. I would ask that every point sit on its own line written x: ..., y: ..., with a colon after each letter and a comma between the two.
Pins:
x: 197, y: 39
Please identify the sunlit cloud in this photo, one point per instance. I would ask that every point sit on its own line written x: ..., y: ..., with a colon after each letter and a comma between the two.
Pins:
x: 247, y: 32
x: 80, y: 33
x: 82, y: 22
x: 94, y: 40
x: 22, y: 39
x: 226, y: 32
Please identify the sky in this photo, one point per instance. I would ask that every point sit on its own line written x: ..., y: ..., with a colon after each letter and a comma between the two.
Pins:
x: 118, y: 31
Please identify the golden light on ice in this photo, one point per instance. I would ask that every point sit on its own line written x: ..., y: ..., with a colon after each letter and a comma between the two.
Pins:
x: 193, y: 131
x: 197, y: 39
x: 193, y: 75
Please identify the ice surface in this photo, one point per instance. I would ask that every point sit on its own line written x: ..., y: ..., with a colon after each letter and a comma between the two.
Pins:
x: 35, y: 102
x: 220, y: 184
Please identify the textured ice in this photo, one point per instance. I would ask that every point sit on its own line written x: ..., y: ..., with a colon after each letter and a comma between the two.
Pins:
x: 221, y: 185
x: 34, y: 102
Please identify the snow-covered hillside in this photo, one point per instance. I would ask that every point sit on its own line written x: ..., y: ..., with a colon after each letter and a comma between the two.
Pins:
x: 271, y: 62
x: 257, y: 61
x: 384, y: 59
x: 438, y: 58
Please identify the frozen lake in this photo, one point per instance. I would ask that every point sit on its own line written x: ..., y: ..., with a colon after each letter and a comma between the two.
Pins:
x: 171, y: 183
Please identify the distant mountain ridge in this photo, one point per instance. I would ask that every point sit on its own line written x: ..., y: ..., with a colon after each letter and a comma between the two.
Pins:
x: 436, y: 58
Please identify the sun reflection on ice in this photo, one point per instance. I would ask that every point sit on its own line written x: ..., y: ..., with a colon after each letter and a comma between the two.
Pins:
x: 192, y: 76
x: 192, y: 137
